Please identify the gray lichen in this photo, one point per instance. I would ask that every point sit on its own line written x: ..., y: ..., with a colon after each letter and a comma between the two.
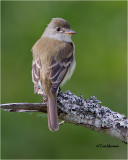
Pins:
x: 90, y: 113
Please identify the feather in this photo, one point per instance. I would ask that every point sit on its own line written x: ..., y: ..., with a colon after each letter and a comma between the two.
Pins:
x: 58, y: 72
x: 36, y: 73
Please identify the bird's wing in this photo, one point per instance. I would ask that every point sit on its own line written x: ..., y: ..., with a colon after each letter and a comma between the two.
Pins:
x: 58, y: 60
x: 58, y: 70
x: 36, y: 66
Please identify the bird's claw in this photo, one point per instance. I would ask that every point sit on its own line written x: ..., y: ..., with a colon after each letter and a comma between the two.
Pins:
x: 62, y: 122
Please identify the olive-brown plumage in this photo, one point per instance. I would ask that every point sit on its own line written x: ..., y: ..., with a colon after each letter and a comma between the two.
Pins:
x: 53, y: 64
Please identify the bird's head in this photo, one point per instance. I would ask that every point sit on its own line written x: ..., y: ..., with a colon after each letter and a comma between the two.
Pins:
x: 59, y: 29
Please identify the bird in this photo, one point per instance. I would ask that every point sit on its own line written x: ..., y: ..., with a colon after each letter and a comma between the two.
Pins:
x: 53, y: 64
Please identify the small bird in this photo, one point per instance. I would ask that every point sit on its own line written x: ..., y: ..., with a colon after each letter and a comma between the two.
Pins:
x: 53, y: 64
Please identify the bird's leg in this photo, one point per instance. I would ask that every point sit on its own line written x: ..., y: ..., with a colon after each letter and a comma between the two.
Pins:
x: 59, y: 90
x: 41, y: 92
x: 44, y: 99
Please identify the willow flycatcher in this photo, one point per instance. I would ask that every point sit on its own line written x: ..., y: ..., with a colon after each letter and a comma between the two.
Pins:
x: 53, y: 64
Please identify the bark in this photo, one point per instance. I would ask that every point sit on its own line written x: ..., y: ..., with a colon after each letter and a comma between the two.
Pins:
x: 88, y: 113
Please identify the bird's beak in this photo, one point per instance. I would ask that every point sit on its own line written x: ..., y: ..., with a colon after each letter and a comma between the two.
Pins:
x: 70, y: 32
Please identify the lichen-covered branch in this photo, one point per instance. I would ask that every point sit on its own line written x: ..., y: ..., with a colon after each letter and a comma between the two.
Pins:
x: 83, y: 112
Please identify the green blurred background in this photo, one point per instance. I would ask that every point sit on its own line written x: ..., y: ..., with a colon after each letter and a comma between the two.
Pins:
x: 100, y: 45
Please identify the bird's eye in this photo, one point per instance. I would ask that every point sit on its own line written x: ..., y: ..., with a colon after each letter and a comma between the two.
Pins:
x: 58, y: 28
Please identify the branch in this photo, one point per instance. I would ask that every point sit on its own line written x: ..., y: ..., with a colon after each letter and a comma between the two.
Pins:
x: 82, y: 112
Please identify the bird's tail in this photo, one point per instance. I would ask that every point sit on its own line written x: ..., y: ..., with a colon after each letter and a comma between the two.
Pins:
x: 52, y: 113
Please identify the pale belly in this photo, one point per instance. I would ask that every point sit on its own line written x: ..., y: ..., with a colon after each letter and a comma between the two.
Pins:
x: 70, y: 71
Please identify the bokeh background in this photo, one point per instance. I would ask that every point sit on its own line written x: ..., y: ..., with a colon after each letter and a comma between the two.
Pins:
x: 100, y: 45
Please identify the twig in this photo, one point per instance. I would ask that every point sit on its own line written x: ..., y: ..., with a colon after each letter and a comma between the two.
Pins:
x: 83, y: 112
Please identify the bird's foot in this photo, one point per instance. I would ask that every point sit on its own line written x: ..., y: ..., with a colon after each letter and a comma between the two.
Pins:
x: 44, y: 99
x: 62, y: 122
